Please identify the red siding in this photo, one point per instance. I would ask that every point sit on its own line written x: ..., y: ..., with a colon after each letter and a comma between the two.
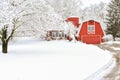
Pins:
x: 95, y: 37
x: 74, y: 20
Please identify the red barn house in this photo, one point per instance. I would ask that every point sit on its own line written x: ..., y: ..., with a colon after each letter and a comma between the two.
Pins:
x: 74, y: 20
x: 91, y: 32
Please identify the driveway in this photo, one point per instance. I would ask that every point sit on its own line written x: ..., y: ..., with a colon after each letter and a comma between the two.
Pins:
x: 115, y: 73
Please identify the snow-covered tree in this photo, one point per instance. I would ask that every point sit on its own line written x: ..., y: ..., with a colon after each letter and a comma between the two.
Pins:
x: 113, y: 18
x: 95, y: 12
x: 40, y: 19
x: 32, y: 17
x: 9, y: 21
x: 70, y: 31
x: 67, y: 8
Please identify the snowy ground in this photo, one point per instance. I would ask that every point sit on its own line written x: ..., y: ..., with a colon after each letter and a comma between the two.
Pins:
x: 114, y: 48
x: 112, y: 42
x: 54, y: 60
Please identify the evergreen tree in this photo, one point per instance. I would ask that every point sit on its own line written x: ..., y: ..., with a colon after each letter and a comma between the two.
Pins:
x: 113, y: 18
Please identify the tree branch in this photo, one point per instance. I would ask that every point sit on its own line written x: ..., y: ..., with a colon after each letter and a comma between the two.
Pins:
x: 19, y: 25
x: 15, y: 20
x: 1, y: 38
x: 11, y: 34
x: 0, y: 33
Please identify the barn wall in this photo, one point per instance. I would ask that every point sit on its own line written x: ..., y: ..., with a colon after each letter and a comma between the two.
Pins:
x: 84, y: 32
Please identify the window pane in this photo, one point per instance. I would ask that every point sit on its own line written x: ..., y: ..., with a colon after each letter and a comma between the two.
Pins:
x: 91, y: 29
x: 56, y: 34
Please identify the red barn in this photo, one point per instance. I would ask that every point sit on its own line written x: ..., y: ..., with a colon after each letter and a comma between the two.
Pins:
x: 74, y: 20
x: 91, y: 32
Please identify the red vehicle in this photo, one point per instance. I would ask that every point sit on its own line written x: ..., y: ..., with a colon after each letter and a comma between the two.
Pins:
x: 91, y: 32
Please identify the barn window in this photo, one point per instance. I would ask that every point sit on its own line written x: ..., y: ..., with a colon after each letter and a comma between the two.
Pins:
x: 91, y: 29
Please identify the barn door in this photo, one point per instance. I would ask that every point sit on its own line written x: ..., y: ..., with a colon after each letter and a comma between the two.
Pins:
x: 91, y: 39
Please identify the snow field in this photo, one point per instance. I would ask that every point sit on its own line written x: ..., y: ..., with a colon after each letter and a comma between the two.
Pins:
x: 53, y: 60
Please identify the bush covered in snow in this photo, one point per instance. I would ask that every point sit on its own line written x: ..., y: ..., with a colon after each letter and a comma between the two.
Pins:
x: 108, y: 38
x: 117, y: 39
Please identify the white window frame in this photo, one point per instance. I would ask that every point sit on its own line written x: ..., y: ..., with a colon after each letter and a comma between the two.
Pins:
x: 91, y: 27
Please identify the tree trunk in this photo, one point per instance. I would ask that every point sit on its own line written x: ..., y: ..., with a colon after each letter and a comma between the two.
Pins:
x: 114, y: 38
x: 5, y: 47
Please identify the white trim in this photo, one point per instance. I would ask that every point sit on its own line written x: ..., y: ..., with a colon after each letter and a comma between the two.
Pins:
x: 91, y: 31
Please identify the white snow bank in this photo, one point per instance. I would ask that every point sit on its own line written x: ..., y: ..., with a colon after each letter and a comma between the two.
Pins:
x: 108, y: 38
x: 54, y: 60
x: 116, y: 48
x: 103, y: 72
x: 112, y: 42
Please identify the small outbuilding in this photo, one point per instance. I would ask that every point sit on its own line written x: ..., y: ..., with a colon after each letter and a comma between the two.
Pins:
x: 91, y: 32
x: 74, y: 20
x: 55, y: 35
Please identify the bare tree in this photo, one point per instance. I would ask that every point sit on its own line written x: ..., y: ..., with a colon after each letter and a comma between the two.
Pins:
x: 9, y: 22
x: 5, y: 37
